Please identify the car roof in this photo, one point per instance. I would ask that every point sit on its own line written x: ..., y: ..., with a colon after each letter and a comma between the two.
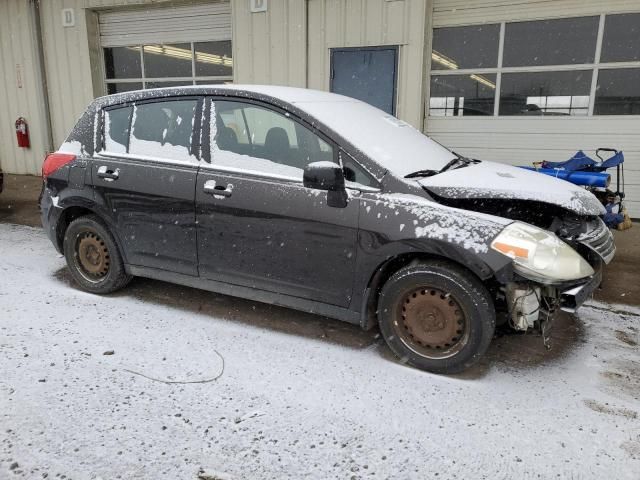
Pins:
x: 291, y: 95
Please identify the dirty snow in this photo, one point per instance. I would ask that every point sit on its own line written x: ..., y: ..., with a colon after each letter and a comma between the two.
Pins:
x: 300, y: 396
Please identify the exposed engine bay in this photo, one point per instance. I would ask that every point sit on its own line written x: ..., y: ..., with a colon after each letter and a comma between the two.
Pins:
x: 529, y: 305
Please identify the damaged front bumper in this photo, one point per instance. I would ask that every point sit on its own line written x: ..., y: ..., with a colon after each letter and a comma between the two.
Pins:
x: 571, y: 299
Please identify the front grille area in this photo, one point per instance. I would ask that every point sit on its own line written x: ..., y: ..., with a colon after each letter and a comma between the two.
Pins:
x: 599, y: 239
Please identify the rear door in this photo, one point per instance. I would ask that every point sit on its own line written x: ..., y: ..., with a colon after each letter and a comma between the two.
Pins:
x: 145, y: 176
x: 258, y: 226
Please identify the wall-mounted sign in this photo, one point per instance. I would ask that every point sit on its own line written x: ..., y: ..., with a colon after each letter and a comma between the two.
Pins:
x: 68, y: 17
x: 258, y: 6
x: 19, y: 75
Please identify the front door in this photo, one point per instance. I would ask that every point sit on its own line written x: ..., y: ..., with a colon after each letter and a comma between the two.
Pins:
x: 145, y: 180
x: 258, y: 226
x: 368, y: 74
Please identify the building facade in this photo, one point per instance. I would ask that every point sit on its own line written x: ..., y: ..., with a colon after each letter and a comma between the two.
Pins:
x: 515, y: 82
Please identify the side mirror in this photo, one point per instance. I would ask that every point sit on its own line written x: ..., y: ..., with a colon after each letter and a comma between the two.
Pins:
x: 327, y: 176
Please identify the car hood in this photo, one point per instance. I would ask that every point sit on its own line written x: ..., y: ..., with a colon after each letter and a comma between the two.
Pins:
x: 498, y: 181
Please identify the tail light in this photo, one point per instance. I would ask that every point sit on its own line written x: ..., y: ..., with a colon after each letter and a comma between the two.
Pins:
x: 55, y: 161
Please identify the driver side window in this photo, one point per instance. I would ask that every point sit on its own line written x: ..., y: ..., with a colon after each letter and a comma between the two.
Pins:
x: 255, y: 138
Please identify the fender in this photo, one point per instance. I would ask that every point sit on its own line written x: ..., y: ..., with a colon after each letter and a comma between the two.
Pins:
x: 70, y: 206
x: 375, y: 267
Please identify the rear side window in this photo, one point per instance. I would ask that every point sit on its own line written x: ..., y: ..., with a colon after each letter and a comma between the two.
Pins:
x: 116, y: 129
x: 163, y: 130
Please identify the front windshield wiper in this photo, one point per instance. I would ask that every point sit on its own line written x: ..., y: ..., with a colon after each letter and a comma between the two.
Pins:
x: 422, y: 173
x: 428, y: 173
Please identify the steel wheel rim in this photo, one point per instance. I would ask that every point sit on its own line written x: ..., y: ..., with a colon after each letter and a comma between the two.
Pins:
x: 91, y: 256
x: 431, y: 323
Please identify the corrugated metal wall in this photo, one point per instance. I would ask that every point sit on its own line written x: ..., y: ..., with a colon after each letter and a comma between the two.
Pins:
x: 358, y: 23
x: 70, y: 85
x: 19, y: 65
x: 521, y: 140
x: 270, y: 47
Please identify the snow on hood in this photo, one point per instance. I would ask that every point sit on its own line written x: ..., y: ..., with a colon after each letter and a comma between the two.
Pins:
x: 496, y: 180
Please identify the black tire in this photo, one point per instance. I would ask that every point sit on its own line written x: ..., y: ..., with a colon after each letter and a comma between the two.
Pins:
x: 93, y: 256
x: 436, y: 316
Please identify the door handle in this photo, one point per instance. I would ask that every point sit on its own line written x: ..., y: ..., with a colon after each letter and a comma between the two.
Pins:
x: 108, y: 175
x: 223, y: 191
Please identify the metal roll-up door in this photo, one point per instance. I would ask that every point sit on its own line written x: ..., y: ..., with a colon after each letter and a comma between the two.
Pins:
x: 187, y: 23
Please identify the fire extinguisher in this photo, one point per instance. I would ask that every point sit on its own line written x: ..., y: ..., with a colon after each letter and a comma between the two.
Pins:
x: 22, y: 132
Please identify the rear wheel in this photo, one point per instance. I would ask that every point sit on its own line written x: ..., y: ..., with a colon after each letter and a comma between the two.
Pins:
x: 93, y: 256
x: 436, y: 316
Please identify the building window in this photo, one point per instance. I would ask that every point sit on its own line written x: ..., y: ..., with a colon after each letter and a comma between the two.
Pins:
x: 152, y: 66
x: 545, y: 93
x: 465, y: 47
x: 561, y: 67
x: 457, y: 95
x: 564, y: 41
x: 618, y: 92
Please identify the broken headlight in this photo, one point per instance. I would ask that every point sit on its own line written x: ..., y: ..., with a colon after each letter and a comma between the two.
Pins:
x: 540, y: 255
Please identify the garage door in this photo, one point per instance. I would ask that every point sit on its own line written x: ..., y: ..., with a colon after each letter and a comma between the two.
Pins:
x: 168, y: 46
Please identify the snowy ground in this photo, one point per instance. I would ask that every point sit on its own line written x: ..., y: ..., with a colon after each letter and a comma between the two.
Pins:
x: 301, y: 396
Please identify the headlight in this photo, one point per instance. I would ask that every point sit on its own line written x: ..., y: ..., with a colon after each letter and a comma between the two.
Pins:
x: 540, y: 255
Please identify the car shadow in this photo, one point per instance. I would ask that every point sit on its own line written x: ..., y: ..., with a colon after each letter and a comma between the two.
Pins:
x: 508, y: 351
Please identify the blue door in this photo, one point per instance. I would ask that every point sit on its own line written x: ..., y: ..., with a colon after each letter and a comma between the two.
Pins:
x: 368, y: 74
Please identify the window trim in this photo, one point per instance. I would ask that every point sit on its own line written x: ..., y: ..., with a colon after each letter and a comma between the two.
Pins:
x: 196, y: 149
x: 268, y: 106
x: 208, y: 164
x: 595, y: 67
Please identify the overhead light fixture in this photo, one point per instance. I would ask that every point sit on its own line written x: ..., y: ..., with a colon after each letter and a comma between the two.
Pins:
x: 443, y: 60
x: 484, y: 81
x: 184, y: 54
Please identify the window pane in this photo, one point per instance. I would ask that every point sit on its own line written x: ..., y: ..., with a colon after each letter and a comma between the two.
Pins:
x: 213, y: 82
x: 618, y: 92
x: 353, y: 172
x: 123, y: 87
x: 213, y: 59
x: 545, y: 93
x: 550, y: 42
x: 116, y: 129
x: 460, y: 95
x: 621, y: 41
x: 163, y: 130
x: 122, y: 62
x: 258, y: 139
x: 465, y: 47
x: 167, y: 60
x: 180, y: 83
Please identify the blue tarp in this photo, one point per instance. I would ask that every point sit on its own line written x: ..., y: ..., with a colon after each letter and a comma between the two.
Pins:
x: 582, y: 162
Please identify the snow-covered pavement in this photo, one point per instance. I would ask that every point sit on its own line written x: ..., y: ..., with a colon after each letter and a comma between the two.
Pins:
x: 300, y: 396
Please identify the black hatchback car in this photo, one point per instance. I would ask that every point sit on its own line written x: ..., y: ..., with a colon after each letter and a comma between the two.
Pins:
x: 322, y: 203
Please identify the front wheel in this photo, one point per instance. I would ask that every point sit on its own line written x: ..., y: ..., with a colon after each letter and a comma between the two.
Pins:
x: 436, y: 316
x: 93, y: 257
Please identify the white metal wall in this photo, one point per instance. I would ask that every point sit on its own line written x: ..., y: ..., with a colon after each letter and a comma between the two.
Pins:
x: 520, y: 140
x: 20, y: 89
x: 270, y: 47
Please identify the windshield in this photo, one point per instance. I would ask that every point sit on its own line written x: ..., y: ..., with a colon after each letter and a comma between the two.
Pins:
x: 394, y: 144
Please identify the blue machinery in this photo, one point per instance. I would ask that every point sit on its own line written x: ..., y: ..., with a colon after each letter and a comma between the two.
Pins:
x: 583, y: 170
